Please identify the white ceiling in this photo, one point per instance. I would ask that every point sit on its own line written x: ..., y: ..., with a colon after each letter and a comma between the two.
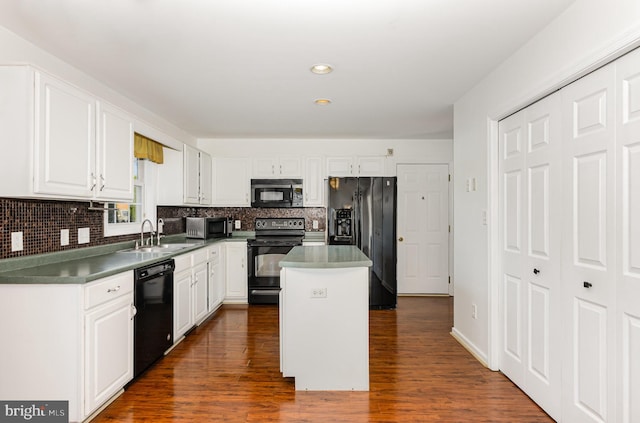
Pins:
x: 240, y: 68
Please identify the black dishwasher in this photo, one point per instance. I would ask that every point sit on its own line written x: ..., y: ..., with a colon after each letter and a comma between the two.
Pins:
x: 153, y: 322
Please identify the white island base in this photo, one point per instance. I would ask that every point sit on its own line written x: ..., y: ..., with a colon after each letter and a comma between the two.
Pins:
x: 324, y: 322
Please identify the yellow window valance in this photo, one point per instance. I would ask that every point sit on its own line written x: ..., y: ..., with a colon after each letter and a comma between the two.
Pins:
x: 145, y: 148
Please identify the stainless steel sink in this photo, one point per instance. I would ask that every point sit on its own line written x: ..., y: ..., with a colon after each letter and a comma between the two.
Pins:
x: 161, y: 249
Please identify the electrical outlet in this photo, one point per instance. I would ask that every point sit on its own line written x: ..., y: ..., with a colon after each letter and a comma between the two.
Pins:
x: 474, y: 311
x: 64, y: 237
x: 83, y: 235
x: 16, y: 241
x: 238, y: 224
x: 319, y: 293
x: 315, y: 224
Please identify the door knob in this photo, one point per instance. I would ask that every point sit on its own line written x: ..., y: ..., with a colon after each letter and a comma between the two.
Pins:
x: 401, y: 239
x: 536, y: 271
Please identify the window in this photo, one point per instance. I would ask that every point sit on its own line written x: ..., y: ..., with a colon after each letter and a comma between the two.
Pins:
x: 125, y: 218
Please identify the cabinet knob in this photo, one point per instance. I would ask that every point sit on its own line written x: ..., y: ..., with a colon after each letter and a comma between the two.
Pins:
x: 587, y: 284
x: 401, y: 239
x: 536, y: 271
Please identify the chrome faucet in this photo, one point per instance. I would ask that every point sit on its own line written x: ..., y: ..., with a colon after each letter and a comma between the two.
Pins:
x: 160, y: 227
x: 142, y: 232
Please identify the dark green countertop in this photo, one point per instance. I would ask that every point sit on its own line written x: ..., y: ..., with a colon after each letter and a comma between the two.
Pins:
x: 84, y: 265
x: 325, y: 257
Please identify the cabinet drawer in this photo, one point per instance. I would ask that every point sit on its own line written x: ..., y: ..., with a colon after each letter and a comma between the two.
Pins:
x: 214, y: 255
x: 183, y: 262
x: 101, y: 291
x: 200, y: 256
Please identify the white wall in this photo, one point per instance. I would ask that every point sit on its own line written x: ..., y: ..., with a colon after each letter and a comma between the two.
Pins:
x: 587, y: 34
x: 17, y: 51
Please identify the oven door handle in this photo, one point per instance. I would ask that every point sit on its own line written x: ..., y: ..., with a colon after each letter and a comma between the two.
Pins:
x: 265, y: 292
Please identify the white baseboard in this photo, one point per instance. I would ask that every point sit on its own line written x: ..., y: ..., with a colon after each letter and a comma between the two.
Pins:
x: 469, y: 346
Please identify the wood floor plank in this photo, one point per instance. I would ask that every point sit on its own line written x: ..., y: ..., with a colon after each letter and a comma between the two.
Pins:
x: 227, y: 370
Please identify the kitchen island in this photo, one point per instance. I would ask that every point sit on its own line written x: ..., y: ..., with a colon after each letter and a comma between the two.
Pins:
x: 324, y: 318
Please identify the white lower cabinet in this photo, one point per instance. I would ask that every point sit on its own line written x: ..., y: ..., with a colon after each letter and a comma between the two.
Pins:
x: 109, y: 351
x: 216, y: 277
x: 182, y: 317
x: 236, y: 267
x: 68, y: 342
x: 199, y: 289
x: 190, y: 291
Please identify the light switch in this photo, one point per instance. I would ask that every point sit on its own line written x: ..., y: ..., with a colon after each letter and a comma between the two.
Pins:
x: 16, y: 241
x: 83, y: 235
x: 64, y: 237
x: 315, y: 224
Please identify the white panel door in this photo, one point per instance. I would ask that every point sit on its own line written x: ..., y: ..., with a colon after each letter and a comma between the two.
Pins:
x: 423, y: 229
x: 589, y: 276
x: 511, y: 149
x: 628, y: 237
x: 530, y: 170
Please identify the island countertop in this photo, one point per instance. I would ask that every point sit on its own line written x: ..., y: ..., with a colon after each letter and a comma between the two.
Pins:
x: 325, y: 257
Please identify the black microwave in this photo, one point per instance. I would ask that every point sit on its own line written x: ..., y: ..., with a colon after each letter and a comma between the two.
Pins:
x: 276, y: 193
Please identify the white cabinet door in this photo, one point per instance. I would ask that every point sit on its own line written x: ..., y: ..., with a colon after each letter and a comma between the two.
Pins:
x: 313, y: 182
x: 109, y: 351
x: 589, y: 268
x: 231, y: 182
x: 191, y: 175
x: 276, y: 167
x: 199, y: 292
x: 216, y: 277
x: 264, y: 167
x: 339, y: 166
x: 65, y: 139
x: 355, y: 166
x: 370, y: 166
x: 113, y: 153
x: 206, y: 178
x: 628, y: 242
x: 182, y: 315
x: 236, y: 272
x: 290, y: 167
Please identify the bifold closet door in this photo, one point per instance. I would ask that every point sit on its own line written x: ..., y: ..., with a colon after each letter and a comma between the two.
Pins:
x: 530, y: 143
x: 628, y: 242
x: 589, y: 260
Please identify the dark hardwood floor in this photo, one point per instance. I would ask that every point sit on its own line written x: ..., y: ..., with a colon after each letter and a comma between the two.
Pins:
x: 227, y: 370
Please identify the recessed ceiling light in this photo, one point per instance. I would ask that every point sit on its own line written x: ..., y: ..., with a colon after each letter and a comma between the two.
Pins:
x: 322, y: 101
x: 321, y: 69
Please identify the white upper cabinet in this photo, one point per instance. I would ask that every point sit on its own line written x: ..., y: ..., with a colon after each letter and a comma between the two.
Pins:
x: 277, y: 167
x: 231, y: 182
x: 197, y: 176
x: 64, y: 152
x: 185, y: 177
x: 356, y: 166
x: 313, y: 181
x: 63, y: 142
x: 114, y: 151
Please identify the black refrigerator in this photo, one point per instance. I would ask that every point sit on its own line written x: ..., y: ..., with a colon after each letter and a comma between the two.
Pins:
x: 362, y: 212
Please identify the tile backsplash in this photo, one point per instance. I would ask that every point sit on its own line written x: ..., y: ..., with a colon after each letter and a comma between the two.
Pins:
x: 41, y: 221
x: 175, y: 223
